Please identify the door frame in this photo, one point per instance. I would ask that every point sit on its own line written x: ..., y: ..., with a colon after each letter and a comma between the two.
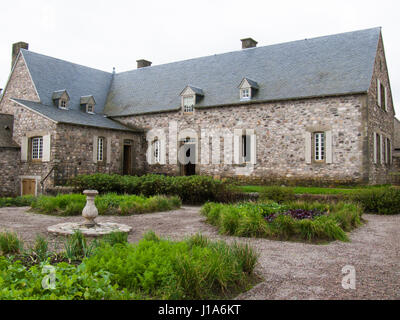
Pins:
x: 37, y: 180
x: 130, y: 143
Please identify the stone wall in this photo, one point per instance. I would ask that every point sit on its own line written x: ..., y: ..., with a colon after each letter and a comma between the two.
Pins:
x: 379, y: 120
x: 280, y: 128
x: 9, y: 172
x: 75, y: 149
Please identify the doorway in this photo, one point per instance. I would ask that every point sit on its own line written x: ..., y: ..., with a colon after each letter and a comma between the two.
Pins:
x: 188, y: 147
x: 127, y: 163
x: 29, y: 187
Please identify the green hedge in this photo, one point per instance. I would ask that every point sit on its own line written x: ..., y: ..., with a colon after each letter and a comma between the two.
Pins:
x: 193, y: 189
x: 249, y: 220
x: 380, y: 201
x: 108, y: 204
x: 24, y: 201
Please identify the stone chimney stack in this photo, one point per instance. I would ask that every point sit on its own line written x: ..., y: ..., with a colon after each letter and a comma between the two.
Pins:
x: 143, y: 63
x: 15, y: 50
x: 248, y: 43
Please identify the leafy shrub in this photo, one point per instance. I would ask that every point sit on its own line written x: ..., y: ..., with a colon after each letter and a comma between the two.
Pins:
x: 108, y: 204
x: 115, y: 238
x: 192, y: 189
x: 272, y: 220
x: 41, y: 248
x: 10, y: 243
x: 193, y: 269
x: 17, y: 282
x: 277, y: 194
x: 380, y: 200
x: 24, y: 201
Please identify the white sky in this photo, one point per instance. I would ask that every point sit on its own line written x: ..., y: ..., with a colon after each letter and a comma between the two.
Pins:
x: 104, y: 34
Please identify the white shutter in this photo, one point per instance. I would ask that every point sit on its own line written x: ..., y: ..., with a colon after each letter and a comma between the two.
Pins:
x: 108, y: 150
x: 386, y: 99
x: 375, y: 149
x: 24, y: 149
x: 378, y: 90
x: 95, y: 149
x: 237, y: 139
x: 253, y: 144
x: 163, y: 151
x: 382, y: 149
x: 308, y: 147
x: 329, y: 158
x: 46, y: 148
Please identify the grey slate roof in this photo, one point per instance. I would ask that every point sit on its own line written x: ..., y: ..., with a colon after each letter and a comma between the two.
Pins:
x: 50, y: 75
x: 330, y: 65
x: 72, y: 116
x: 6, y: 129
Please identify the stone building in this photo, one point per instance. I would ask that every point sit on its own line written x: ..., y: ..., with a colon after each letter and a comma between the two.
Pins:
x: 316, y: 110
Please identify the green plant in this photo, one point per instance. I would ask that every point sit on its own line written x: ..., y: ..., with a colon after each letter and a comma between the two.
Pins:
x: 191, y: 189
x: 277, y: 194
x: 41, y: 248
x: 10, y: 243
x: 381, y: 200
x: 23, y: 201
x: 116, y: 237
x: 77, y: 247
x: 196, y: 268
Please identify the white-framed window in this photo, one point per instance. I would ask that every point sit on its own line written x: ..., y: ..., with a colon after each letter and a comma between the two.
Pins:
x: 245, y: 94
x: 37, y: 148
x: 63, y: 104
x: 100, y: 149
x: 188, y: 104
x: 388, y: 151
x: 319, y: 146
x: 90, y: 108
x: 157, y: 150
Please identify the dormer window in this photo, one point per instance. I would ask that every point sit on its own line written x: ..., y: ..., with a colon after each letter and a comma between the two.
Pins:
x: 61, y: 99
x: 87, y: 104
x: 190, y: 96
x: 247, y: 88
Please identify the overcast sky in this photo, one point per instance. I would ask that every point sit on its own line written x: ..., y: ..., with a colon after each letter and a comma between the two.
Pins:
x: 106, y: 34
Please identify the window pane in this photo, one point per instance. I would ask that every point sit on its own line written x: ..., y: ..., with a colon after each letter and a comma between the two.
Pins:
x: 37, y: 148
x: 100, y: 147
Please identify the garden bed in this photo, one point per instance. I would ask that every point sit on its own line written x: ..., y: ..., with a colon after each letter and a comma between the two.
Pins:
x: 108, y: 204
x: 154, y: 268
x: 312, y: 222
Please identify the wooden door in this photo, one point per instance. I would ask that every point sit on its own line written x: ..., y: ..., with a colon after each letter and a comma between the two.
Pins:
x: 28, y: 187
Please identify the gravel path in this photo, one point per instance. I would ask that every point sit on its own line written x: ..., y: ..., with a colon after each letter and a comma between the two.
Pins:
x: 290, y: 270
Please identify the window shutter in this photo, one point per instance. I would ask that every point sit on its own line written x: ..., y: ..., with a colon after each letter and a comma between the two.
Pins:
x: 329, y: 158
x: 95, y: 149
x: 253, y: 148
x: 386, y: 99
x: 378, y: 90
x: 308, y: 147
x: 46, y: 148
x: 237, y: 143
x: 375, y: 149
x: 24, y: 149
x: 382, y: 149
x: 108, y: 150
x: 163, y: 151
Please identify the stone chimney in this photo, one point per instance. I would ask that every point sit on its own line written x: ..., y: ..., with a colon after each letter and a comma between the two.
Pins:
x: 15, y: 50
x: 143, y: 63
x: 248, y: 43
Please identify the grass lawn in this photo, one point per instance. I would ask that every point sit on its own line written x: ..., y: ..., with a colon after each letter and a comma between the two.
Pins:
x: 310, y: 190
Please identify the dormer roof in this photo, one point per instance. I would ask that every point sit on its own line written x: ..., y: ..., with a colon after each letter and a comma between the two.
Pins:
x: 248, y: 83
x: 192, y: 90
x: 60, y: 94
x: 88, y: 100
